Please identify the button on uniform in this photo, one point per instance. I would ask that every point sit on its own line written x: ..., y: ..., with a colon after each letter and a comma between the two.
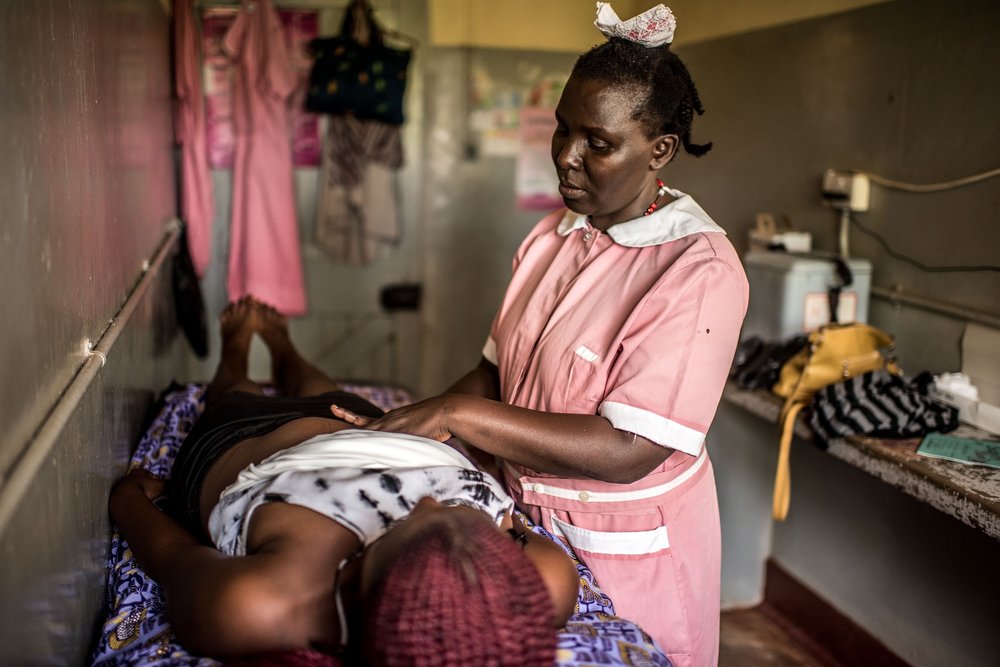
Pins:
x: 584, y: 496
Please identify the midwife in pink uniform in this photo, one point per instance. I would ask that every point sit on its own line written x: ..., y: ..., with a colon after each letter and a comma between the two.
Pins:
x: 607, y: 358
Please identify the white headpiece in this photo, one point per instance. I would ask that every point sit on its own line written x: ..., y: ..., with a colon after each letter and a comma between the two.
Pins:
x: 654, y: 27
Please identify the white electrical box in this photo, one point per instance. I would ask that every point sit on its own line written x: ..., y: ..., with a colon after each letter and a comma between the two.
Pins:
x: 789, y: 294
x: 846, y: 190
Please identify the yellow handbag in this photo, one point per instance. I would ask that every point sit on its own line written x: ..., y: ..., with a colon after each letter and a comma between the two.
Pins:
x: 835, y: 352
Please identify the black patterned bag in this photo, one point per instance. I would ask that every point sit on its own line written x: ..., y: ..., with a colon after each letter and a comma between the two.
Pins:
x: 880, y: 405
x: 366, y: 80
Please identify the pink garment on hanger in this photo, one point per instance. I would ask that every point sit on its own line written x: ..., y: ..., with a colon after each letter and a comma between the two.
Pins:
x: 196, y: 178
x: 264, y: 256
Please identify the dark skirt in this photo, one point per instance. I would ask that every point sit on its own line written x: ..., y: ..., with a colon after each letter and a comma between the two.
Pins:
x: 231, y: 419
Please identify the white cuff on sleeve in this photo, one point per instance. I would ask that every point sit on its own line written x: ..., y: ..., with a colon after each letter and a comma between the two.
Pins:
x: 650, y: 425
x: 490, y: 351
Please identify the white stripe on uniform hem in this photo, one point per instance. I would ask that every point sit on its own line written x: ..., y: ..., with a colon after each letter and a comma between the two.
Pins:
x: 631, y: 543
x: 654, y: 427
x: 587, y: 496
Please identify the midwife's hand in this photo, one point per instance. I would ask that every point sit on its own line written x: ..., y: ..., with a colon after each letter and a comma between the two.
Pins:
x: 350, y: 417
x: 426, y: 418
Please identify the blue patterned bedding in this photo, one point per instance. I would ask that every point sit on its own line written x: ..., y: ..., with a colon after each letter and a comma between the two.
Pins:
x: 136, y: 631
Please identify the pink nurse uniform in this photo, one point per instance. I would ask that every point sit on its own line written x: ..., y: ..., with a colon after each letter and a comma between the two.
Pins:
x: 638, y: 324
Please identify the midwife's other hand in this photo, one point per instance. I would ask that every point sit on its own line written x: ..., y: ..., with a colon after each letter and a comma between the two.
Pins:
x: 426, y: 418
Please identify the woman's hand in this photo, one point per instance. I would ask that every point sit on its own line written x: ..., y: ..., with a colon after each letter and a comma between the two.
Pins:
x: 426, y: 418
x: 136, y: 482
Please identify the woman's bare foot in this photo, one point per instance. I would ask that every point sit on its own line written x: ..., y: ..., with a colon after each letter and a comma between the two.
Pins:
x: 237, y: 324
x: 292, y: 374
x: 272, y: 327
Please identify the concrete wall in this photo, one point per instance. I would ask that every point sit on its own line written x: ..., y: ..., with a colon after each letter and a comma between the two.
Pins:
x: 907, y: 91
x: 87, y: 190
x: 883, y: 89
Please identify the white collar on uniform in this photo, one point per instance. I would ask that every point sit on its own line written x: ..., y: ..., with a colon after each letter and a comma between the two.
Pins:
x: 681, y: 217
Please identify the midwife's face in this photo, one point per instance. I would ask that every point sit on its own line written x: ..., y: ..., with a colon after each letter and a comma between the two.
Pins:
x: 605, y: 162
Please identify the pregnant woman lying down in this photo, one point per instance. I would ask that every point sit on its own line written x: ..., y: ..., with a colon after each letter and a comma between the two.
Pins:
x: 288, y: 529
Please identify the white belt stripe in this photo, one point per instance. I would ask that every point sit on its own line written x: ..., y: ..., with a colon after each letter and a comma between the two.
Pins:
x: 611, y: 496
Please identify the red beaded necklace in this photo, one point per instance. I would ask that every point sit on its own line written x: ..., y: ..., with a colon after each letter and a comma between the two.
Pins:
x: 659, y: 193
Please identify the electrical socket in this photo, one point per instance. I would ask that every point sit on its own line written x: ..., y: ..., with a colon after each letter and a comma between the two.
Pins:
x: 846, y: 190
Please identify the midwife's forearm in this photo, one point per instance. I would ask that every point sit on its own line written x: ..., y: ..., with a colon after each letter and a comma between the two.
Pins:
x: 483, y: 381
x: 560, y: 444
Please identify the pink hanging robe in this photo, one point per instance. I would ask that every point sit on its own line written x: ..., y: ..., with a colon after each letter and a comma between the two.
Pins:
x: 264, y: 256
x: 196, y: 178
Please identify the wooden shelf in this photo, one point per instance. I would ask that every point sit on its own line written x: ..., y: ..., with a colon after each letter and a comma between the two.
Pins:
x: 969, y: 493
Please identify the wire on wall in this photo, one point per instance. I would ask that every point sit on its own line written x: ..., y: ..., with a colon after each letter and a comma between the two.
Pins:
x: 930, y: 187
x: 917, y: 263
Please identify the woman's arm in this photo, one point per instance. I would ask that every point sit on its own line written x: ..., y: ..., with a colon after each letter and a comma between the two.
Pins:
x: 154, y: 537
x: 218, y: 605
x: 560, y: 444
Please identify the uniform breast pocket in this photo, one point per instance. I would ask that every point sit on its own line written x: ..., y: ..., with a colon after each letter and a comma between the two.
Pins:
x: 584, y: 380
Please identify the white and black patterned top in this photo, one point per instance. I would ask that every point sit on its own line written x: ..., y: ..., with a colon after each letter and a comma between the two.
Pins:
x: 363, y: 480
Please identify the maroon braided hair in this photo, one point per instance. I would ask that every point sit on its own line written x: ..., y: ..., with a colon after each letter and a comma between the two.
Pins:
x: 463, y: 593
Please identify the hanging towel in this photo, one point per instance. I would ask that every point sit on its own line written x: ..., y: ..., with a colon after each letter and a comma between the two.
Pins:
x: 264, y: 255
x: 196, y: 178
x: 357, y: 215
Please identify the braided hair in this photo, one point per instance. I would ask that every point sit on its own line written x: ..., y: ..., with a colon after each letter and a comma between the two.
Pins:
x: 461, y: 594
x: 669, y: 96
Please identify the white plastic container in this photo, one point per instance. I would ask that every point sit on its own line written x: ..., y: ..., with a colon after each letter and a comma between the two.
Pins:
x: 789, y: 293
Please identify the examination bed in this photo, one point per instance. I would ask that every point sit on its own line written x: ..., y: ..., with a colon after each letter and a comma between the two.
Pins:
x: 136, y: 632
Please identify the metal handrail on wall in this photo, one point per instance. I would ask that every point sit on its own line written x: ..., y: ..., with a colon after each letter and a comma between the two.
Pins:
x: 896, y: 296
x: 35, y: 451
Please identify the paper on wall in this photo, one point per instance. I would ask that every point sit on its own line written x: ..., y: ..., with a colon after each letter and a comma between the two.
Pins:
x: 981, y: 361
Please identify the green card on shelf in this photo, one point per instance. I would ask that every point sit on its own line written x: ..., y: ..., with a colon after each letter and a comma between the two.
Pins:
x: 963, y: 450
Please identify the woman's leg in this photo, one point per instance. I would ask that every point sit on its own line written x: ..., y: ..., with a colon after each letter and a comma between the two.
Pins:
x: 293, y: 375
x: 237, y: 322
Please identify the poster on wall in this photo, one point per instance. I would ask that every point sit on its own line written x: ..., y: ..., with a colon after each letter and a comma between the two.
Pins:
x: 495, y: 106
x: 301, y: 26
x: 537, y: 185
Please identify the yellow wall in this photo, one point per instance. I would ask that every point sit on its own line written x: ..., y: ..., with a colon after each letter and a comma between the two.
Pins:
x: 567, y: 25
